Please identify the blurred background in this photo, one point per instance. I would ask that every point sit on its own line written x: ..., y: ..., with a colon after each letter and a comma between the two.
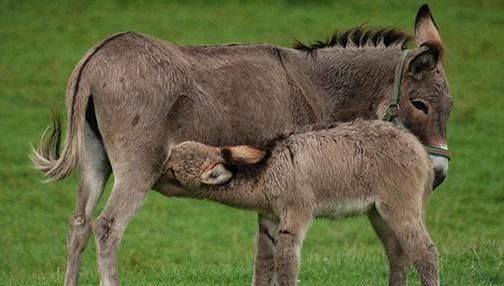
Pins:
x: 188, y: 242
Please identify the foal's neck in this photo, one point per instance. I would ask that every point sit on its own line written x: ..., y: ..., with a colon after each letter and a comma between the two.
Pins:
x: 354, y: 82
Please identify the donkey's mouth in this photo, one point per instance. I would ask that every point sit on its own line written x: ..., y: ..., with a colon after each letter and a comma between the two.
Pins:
x: 439, y: 178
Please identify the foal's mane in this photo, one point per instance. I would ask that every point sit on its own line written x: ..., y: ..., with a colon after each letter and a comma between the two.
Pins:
x: 269, y: 143
x: 359, y: 37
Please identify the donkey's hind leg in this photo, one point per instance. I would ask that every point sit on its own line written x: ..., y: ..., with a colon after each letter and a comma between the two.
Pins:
x: 134, y: 178
x: 94, y: 173
x: 399, y: 263
x: 407, y: 222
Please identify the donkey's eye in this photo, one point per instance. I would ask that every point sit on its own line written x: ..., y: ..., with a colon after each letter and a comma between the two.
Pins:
x: 420, y: 105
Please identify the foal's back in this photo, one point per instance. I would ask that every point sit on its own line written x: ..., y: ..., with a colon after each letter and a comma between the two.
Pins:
x: 358, y: 163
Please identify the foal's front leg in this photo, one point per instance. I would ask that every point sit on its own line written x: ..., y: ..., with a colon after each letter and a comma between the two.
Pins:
x: 264, y: 271
x: 291, y: 232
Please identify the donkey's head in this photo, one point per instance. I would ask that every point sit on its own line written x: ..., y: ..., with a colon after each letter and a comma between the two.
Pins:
x: 426, y: 102
x: 192, y: 163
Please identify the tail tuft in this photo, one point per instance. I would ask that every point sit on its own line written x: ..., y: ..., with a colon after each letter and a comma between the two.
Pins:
x: 47, y: 158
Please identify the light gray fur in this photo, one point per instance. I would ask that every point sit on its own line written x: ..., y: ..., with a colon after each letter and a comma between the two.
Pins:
x: 364, y: 167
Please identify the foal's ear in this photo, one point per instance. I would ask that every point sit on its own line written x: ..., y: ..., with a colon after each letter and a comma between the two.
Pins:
x: 425, y: 28
x: 242, y: 155
x: 426, y: 59
x: 216, y: 175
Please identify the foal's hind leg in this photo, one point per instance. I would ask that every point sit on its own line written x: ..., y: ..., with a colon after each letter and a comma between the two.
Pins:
x: 399, y: 262
x: 267, y: 237
x: 408, y: 225
x: 94, y: 173
x: 291, y: 231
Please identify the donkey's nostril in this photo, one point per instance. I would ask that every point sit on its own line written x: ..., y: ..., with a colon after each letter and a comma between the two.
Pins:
x: 439, y: 177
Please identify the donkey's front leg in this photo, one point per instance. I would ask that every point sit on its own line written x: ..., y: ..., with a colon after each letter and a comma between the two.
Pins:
x: 128, y: 194
x: 291, y: 232
x: 264, y: 271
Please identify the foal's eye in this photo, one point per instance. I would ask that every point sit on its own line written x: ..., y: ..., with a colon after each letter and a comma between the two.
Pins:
x: 420, y: 105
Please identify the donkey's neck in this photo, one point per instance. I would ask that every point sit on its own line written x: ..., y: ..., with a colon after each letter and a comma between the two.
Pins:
x: 354, y: 82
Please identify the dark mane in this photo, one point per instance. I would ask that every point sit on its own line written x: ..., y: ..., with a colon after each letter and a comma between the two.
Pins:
x: 359, y: 37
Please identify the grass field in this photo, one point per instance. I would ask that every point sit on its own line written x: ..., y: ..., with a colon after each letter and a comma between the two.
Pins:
x: 185, y: 242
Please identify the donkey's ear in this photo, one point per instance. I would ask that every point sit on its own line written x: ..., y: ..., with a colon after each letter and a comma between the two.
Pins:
x: 216, y: 175
x: 425, y: 28
x: 242, y: 155
x: 426, y: 59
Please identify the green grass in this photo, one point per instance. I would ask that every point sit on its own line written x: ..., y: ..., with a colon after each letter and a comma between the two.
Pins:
x: 185, y: 242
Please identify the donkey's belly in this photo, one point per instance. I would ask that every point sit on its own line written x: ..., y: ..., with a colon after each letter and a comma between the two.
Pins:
x: 344, y: 208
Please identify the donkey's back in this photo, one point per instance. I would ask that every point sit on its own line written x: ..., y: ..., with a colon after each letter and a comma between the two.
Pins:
x: 221, y: 94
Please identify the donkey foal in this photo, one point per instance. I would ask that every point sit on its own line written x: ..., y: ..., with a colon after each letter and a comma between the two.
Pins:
x: 363, y: 167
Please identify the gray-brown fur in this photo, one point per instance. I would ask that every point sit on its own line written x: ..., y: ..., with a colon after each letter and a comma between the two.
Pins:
x: 364, y: 167
x: 147, y: 95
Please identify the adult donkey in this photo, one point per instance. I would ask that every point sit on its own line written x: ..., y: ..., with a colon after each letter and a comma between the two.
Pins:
x: 132, y: 97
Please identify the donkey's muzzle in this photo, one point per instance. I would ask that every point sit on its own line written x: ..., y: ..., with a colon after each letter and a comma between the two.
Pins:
x: 440, y: 169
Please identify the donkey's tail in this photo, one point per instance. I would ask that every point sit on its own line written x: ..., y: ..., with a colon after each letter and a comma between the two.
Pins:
x: 46, y: 157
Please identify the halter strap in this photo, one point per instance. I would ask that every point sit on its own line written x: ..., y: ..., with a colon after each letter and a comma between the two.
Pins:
x: 392, y: 112
x: 438, y: 151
